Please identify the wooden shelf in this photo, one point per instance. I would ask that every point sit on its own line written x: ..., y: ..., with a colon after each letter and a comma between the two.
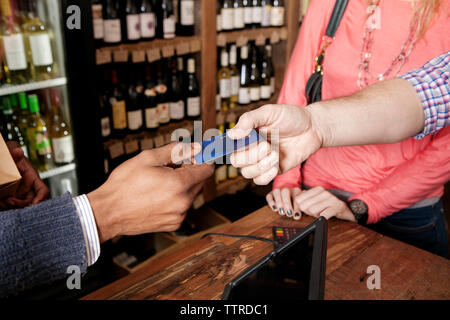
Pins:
x: 241, y: 37
x: 149, y: 51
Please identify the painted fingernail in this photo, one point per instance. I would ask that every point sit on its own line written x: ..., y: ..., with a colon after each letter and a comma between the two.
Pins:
x: 297, y: 215
x: 274, y: 208
x: 289, y: 213
x: 282, y: 211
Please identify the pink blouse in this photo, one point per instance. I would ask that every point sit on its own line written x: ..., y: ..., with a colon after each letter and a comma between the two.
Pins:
x: 391, y: 177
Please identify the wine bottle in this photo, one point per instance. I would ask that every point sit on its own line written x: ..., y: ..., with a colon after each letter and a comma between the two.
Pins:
x: 24, y: 113
x: 239, y: 22
x: 266, y: 13
x: 271, y: 68
x: 61, y: 134
x: 219, y: 16
x: 166, y: 22
x: 266, y: 74
x: 224, y: 79
x: 16, y: 65
x: 105, y: 108
x: 177, y: 106
x: 132, y: 22
x: 193, y: 105
x: 248, y: 13
x: 163, y: 97
x: 186, y: 18
x: 147, y: 20
x: 150, y: 102
x: 244, y: 87
x: 277, y: 13
x: 227, y: 15
x: 133, y: 102
x: 255, y: 75
x: 97, y: 21
x: 38, y: 136
x: 39, y: 46
x: 118, y: 106
x: 256, y: 13
x: 234, y: 72
x: 111, y: 22
x: 11, y: 130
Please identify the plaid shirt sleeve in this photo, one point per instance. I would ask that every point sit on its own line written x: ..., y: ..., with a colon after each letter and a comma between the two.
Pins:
x: 432, y: 85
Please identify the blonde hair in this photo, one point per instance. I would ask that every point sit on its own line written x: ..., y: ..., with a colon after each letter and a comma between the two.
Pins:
x: 424, y: 11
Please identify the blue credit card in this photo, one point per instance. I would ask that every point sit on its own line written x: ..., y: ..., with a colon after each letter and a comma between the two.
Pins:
x: 221, y: 146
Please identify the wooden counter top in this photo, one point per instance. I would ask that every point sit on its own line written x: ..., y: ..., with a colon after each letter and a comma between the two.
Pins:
x: 202, y: 269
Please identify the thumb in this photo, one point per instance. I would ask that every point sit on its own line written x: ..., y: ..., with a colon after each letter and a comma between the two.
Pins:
x: 249, y: 121
x: 161, y: 156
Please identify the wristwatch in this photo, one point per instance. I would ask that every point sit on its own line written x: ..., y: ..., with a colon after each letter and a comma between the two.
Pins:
x: 360, y: 210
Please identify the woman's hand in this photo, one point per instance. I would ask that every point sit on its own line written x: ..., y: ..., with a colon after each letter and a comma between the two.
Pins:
x: 318, y: 202
x: 281, y: 201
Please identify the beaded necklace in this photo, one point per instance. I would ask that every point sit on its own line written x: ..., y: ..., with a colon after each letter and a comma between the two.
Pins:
x: 364, y: 74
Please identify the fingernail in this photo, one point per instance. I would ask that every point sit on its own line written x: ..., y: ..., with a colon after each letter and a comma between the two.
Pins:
x: 297, y: 215
x: 274, y: 208
x: 289, y: 213
x: 282, y: 211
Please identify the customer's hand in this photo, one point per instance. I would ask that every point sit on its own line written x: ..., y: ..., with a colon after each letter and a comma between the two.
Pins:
x: 318, y: 202
x: 31, y: 189
x: 282, y: 201
x: 145, y: 195
x: 298, y: 138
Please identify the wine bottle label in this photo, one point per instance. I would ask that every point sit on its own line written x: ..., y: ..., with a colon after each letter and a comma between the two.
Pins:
x: 227, y: 19
x: 218, y: 102
x: 41, y: 50
x: 106, y: 165
x: 225, y: 88
x: 134, y: 119
x: 235, y: 85
x: 112, y: 30
x: 248, y: 15
x: 119, y: 115
x: 187, y: 13
x: 219, y: 22
x: 193, y: 107
x: 169, y: 27
x: 232, y: 172
x: 255, y: 94
x: 257, y: 14
x: 63, y: 149
x: 266, y: 92
x: 239, y: 18
x: 151, y: 118
x: 266, y: 16
x: 163, y: 112
x: 105, y: 126
x: 177, y: 110
x: 277, y: 16
x: 133, y: 27
x: 15, y: 52
x: 272, y: 85
x: 97, y: 19
x: 42, y: 143
x: 244, y: 96
x: 147, y: 22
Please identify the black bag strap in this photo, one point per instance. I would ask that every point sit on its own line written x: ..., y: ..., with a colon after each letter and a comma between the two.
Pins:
x: 336, y: 17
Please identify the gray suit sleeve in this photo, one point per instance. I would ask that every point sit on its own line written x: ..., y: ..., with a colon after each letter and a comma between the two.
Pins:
x: 39, y: 243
